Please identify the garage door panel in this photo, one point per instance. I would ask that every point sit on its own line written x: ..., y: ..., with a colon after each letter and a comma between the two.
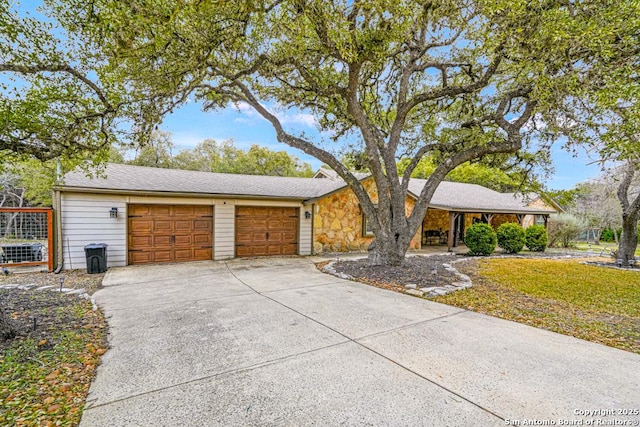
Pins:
x: 202, y: 239
x: 162, y: 225
x: 160, y: 210
x: 289, y: 249
x: 162, y: 255
x: 202, y: 254
x: 170, y: 233
x: 263, y: 231
x: 140, y: 257
x: 140, y: 225
x: 159, y: 240
x: 186, y: 240
x: 201, y: 225
x: 183, y: 225
x: 141, y: 241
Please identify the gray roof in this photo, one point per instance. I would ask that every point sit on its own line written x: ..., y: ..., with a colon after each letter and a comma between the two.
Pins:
x: 157, y: 180
x: 457, y: 196
x: 124, y: 178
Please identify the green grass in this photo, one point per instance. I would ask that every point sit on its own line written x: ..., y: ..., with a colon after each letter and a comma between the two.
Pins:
x: 594, y: 303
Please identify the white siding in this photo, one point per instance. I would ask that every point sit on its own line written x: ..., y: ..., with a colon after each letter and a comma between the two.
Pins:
x: 224, y: 235
x: 85, y: 220
x: 305, y: 244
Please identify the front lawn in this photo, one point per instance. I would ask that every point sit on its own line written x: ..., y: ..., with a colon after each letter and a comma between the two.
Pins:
x: 593, y: 303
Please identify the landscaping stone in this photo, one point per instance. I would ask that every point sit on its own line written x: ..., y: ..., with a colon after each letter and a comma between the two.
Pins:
x: 44, y: 288
x: 411, y: 286
x: 415, y: 292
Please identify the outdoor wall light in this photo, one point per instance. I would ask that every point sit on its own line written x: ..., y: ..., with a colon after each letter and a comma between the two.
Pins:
x: 307, y: 215
x: 113, y: 213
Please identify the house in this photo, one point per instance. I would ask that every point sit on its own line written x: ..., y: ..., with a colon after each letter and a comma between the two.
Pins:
x: 151, y: 215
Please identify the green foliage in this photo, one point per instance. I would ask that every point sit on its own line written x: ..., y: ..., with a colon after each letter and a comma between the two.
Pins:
x: 536, y: 238
x: 480, y: 239
x: 607, y: 235
x: 222, y: 157
x: 510, y: 237
x: 471, y: 173
x: 564, y: 229
x: 53, y: 105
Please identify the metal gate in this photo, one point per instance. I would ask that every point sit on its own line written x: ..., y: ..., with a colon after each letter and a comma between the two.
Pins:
x: 26, y: 237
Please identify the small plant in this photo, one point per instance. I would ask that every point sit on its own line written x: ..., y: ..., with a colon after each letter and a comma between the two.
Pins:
x: 480, y: 239
x: 564, y: 229
x: 510, y: 237
x: 536, y: 238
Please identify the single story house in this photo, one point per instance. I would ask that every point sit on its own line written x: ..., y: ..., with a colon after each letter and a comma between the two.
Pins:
x: 152, y: 215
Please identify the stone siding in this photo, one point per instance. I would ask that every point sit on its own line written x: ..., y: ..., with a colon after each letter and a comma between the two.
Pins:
x: 337, y: 222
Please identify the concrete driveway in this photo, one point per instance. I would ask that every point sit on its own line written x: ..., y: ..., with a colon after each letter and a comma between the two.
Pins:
x: 275, y: 342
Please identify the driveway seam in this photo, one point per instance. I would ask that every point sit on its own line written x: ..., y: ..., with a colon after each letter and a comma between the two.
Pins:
x: 185, y: 301
x: 217, y: 374
x: 300, y: 287
x: 195, y: 276
x: 477, y: 405
x: 409, y: 325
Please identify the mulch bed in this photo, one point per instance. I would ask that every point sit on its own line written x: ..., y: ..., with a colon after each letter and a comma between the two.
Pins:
x: 74, y: 279
x: 45, y: 372
x: 423, y: 271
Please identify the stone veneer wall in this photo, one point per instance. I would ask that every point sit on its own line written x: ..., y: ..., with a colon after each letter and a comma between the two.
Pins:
x: 337, y: 222
x: 500, y: 219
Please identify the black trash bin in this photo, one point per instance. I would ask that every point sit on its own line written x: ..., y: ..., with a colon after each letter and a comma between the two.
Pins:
x: 96, y: 254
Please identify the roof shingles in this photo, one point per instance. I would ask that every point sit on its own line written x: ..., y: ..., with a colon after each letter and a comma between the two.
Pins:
x: 117, y: 177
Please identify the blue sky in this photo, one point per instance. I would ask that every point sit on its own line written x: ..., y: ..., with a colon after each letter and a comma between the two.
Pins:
x: 190, y: 125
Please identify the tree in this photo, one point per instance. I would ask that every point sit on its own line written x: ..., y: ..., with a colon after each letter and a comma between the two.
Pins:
x: 157, y: 152
x: 49, y: 106
x: 457, y: 80
x: 487, y: 175
x: 223, y: 157
x: 629, y: 196
x: 597, y: 204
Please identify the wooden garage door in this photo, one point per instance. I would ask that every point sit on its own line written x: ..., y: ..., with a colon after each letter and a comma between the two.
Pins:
x: 262, y: 231
x: 168, y: 233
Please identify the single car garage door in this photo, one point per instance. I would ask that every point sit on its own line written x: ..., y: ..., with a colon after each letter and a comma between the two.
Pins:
x: 262, y: 231
x: 170, y: 233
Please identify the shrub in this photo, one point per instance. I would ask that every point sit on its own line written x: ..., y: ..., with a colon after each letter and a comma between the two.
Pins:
x: 480, y: 239
x: 536, y: 238
x: 564, y: 229
x: 510, y: 237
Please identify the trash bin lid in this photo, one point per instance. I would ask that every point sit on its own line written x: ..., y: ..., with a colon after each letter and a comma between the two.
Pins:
x: 96, y: 246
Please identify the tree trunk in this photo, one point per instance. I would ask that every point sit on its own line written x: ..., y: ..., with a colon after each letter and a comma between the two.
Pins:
x: 7, y: 329
x: 628, y: 239
x: 387, y: 250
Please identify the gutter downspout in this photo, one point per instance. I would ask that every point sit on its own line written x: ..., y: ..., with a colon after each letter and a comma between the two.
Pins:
x: 57, y: 202
x: 57, y: 210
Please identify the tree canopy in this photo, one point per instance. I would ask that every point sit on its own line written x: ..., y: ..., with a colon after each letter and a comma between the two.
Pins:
x: 457, y: 80
x: 214, y: 156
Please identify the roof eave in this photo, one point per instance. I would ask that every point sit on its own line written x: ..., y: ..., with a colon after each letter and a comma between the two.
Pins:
x: 71, y: 189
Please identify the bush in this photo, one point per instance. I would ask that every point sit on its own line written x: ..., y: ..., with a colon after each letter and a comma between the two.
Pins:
x: 607, y: 235
x: 564, y: 229
x: 480, y: 239
x: 510, y: 237
x: 536, y: 238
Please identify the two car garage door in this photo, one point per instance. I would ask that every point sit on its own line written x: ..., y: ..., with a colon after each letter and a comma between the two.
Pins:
x: 179, y: 233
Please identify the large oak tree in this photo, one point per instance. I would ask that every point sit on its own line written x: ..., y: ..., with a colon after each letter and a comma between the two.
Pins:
x: 394, y: 80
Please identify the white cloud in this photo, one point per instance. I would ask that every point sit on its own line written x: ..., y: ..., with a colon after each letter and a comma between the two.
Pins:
x: 287, y: 117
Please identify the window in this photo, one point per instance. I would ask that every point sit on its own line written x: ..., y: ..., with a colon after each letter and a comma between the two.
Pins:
x: 366, y: 228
